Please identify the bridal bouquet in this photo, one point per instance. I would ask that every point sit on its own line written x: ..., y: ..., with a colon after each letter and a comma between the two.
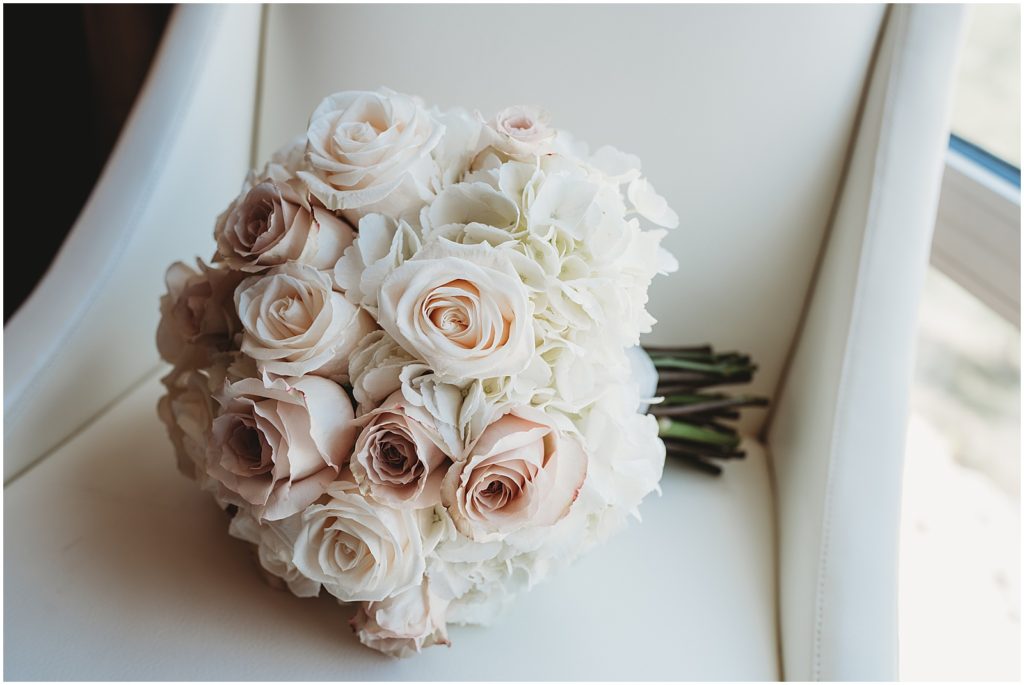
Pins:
x: 406, y: 372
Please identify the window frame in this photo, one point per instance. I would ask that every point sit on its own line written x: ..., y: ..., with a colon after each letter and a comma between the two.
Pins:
x: 977, y: 227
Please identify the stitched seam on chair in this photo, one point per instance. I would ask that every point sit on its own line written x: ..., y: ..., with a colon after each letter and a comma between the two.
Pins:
x: 132, y: 387
x: 121, y: 246
x: 899, y: 26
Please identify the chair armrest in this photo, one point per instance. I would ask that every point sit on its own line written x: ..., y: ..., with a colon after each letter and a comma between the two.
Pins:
x: 837, y: 436
x: 86, y: 333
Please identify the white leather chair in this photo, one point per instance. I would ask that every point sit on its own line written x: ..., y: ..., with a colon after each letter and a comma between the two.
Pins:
x: 802, y: 147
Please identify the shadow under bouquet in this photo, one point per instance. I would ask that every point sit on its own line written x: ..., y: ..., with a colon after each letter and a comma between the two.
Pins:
x: 410, y: 370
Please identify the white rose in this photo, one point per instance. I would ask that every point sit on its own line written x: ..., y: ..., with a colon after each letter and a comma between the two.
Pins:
x: 463, y: 311
x: 399, y: 457
x: 296, y: 324
x: 382, y: 245
x: 274, y: 542
x: 276, y: 448
x: 358, y: 549
x: 370, y: 151
x: 522, y: 472
x: 271, y: 223
x: 403, y: 624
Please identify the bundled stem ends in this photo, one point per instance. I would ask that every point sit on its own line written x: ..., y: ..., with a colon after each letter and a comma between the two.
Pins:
x: 690, y: 418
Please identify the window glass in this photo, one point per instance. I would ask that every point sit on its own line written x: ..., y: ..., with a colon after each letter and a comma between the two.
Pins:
x: 960, y: 538
x: 986, y: 99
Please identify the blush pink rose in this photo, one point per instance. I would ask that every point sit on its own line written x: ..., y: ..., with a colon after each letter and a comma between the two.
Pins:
x: 522, y: 131
x: 276, y: 448
x: 521, y: 472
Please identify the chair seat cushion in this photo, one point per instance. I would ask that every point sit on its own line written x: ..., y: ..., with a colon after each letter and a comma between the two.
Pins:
x: 117, y: 567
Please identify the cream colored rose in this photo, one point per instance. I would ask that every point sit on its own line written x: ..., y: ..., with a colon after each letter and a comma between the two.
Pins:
x: 271, y: 223
x: 357, y: 549
x: 370, y: 151
x: 461, y: 309
x: 296, y: 324
x: 402, y: 625
x: 276, y: 448
x: 399, y: 457
x: 522, y: 131
x: 522, y: 472
x: 197, y: 315
x: 275, y: 542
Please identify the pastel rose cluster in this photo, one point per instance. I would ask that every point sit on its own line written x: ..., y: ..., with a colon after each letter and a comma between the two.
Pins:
x: 406, y: 370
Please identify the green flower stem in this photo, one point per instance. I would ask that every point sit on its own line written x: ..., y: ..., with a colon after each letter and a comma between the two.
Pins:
x: 724, y: 368
x: 704, y: 404
x: 667, y: 428
x: 689, y: 417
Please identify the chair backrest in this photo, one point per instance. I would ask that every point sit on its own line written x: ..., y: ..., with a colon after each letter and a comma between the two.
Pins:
x: 87, y: 332
x: 745, y: 120
x: 742, y: 116
x: 801, y: 146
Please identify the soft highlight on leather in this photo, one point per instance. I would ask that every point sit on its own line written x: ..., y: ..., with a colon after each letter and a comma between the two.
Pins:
x: 837, y: 438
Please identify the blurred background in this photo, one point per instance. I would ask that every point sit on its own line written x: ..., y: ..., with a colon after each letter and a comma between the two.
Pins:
x: 99, y: 54
x: 960, y: 547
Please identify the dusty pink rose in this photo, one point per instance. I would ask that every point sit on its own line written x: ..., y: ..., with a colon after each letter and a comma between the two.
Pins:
x: 197, y: 315
x: 271, y: 223
x: 399, y: 458
x: 521, y: 472
x: 276, y: 448
x: 187, y: 410
x: 402, y: 625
